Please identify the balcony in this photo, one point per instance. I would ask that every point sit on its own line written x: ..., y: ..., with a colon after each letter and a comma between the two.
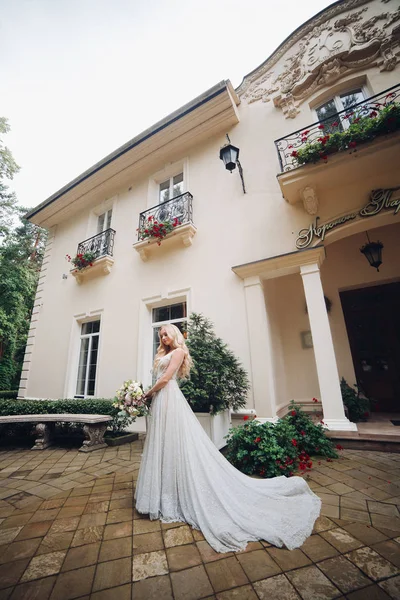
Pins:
x: 102, y: 246
x: 176, y: 215
x: 342, y: 148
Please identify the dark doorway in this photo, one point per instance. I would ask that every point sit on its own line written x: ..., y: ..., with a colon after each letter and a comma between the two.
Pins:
x: 372, y: 318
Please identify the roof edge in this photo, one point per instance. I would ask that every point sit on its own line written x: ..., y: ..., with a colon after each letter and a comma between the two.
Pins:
x: 187, y: 108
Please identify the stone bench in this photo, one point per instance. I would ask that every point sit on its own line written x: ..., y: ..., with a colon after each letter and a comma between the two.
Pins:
x: 94, y: 428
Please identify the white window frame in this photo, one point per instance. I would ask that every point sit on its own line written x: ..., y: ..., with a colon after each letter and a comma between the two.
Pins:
x: 106, y: 222
x: 338, y: 103
x: 71, y: 373
x: 169, y: 171
x: 159, y: 324
x: 83, y: 336
x: 171, y: 187
x: 145, y: 341
x: 97, y: 211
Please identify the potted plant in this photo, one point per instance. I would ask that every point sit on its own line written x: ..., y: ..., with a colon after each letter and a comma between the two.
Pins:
x: 218, y: 383
x: 358, y: 406
x: 82, y: 260
x: 152, y: 228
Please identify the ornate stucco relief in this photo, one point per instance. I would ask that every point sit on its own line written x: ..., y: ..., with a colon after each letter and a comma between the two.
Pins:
x: 323, y: 51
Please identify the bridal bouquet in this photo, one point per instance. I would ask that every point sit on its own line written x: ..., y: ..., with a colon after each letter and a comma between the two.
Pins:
x: 130, y: 399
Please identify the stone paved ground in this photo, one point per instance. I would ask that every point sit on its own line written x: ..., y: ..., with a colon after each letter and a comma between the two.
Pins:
x: 68, y: 530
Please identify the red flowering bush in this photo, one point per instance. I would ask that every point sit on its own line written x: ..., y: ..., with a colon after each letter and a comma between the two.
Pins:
x: 363, y: 128
x: 157, y: 229
x: 269, y: 450
x: 82, y: 260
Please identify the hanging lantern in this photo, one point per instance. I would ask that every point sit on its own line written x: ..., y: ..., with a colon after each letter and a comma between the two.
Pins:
x: 373, y: 253
x: 229, y: 154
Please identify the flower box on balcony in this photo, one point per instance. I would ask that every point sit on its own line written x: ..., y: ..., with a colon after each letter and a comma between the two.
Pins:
x: 183, y: 235
x: 101, y: 266
x: 167, y: 224
x: 97, y: 251
x: 341, y: 148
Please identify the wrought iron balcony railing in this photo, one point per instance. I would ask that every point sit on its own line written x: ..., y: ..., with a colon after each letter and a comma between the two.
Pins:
x: 101, y: 244
x: 179, y: 208
x: 288, y: 146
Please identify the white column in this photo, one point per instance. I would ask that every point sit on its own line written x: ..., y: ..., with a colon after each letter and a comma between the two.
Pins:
x: 329, y: 384
x: 261, y: 350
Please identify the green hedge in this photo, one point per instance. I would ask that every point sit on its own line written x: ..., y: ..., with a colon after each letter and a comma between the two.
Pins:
x: 9, y: 394
x: 98, y: 406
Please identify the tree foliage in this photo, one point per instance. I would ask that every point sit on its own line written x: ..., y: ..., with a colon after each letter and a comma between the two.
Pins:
x: 21, y: 252
x: 217, y: 380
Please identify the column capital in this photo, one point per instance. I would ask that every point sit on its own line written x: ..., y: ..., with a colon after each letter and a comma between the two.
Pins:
x: 250, y: 281
x: 308, y: 269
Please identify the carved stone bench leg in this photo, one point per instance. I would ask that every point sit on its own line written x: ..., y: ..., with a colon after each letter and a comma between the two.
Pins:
x: 94, y: 437
x: 44, y: 432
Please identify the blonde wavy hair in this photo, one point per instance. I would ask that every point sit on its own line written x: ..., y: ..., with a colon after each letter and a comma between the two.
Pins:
x: 178, y: 341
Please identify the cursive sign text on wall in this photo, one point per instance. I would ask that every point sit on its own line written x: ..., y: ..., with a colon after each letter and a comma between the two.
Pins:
x: 379, y: 200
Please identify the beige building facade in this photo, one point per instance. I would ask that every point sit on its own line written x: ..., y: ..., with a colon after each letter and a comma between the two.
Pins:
x: 278, y: 269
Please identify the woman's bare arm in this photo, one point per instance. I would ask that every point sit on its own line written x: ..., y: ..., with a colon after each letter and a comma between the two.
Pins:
x: 174, y: 364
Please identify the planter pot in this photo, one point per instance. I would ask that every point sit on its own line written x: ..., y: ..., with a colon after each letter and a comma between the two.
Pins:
x: 216, y: 426
x: 121, y: 439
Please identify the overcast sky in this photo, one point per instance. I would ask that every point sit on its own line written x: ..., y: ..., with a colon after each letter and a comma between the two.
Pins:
x: 78, y: 78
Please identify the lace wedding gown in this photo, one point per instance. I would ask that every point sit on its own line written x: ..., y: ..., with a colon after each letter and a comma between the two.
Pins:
x: 184, y: 477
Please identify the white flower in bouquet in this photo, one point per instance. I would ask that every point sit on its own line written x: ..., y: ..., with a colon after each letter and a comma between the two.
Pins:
x: 130, y: 399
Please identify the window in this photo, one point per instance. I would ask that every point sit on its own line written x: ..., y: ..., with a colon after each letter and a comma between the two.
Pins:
x: 86, y: 381
x: 104, y: 221
x: 174, y: 313
x: 329, y: 110
x: 171, y: 188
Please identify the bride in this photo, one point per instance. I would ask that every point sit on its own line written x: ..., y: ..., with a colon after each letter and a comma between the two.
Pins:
x: 184, y: 477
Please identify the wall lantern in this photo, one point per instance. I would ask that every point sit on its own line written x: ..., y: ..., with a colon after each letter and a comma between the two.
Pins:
x: 230, y: 155
x: 373, y: 253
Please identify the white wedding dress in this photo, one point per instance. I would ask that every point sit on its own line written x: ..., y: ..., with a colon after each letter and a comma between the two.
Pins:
x: 184, y: 477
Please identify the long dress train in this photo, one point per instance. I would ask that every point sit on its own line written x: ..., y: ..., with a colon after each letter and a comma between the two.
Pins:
x: 184, y: 477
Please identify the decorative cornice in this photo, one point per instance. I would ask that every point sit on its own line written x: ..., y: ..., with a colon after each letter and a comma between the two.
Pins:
x: 295, y: 37
x: 327, y: 48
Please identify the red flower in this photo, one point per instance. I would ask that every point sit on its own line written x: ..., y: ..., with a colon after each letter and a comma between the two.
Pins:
x: 302, y: 466
x: 258, y: 439
x: 294, y: 442
x: 321, y: 421
x: 373, y: 114
x: 303, y: 432
x: 293, y: 413
x: 309, y: 464
x: 317, y: 449
x: 245, y: 418
x: 352, y: 144
x: 291, y: 146
x: 315, y: 399
x: 339, y: 447
x: 324, y: 157
x: 335, y: 124
x: 294, y: 153
x: 321, y: 126
x: 306, y: 132
x: 329, y: 460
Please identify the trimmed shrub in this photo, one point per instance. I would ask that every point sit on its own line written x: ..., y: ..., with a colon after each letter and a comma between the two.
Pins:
x: 9, y: 394
x: 270, y: 450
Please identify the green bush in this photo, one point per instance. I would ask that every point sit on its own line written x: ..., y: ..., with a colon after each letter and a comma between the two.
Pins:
x: 270, y: 450
x: 217, y: 380
x: 10, y: 394
x: 98, y: 406
x: 358, y: 407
